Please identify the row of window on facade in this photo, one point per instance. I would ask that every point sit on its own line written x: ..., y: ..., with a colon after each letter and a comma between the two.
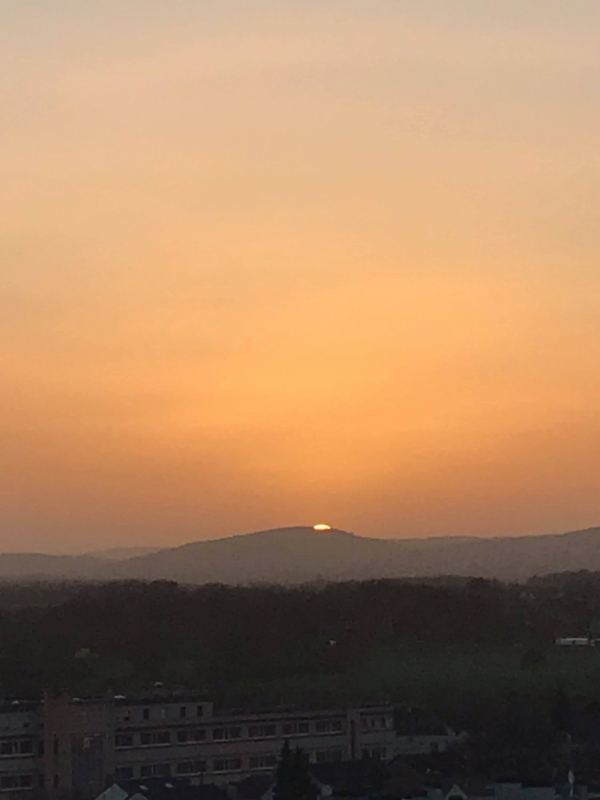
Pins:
x: 233, y: 764
x: 220, y: 734
x: 163, y: 713
x: 12, y: 782
x: 258, y: 762
x: 374, y: 723
x: 16, y: 781
x: 124, y: 773
x: 16, y: 747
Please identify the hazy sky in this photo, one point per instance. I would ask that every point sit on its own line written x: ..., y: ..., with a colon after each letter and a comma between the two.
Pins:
x: 272, y: 262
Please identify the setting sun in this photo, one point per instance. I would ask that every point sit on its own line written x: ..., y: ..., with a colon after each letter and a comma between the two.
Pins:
x: 322, y: 527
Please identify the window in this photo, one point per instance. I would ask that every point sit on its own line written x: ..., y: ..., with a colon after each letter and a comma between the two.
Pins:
x: 182, y: 712
x: 263, y: 762
x: 295, y: 727
x: 227, y: 764
x: 329, y: 726
x: 191, y: 735
x: 199, y: 711
x: 260, y: 731
x: 156, y: 737
x: 154, y: 770
x: 191, y: 767
x: 325, y: 756
x: 124, y: 740
x: 16, y: 781
x: 123, y: 773
x: 227, y: 733
x: 56, y: 781
x: 55, y: 745
x: 145, y: 713
x: 13, y: 747
x: 379, y: 753
x: 163, y: 713
x: 374, y: 723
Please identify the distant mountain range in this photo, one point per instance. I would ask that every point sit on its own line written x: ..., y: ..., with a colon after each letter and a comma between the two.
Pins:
x: 299, y: 555
x: 122, y: 553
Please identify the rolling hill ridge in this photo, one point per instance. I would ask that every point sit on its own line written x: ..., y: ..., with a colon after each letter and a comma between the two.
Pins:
x: 299, y: 555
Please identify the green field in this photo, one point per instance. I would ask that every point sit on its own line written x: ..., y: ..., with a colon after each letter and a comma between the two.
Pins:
x: 442, y: 678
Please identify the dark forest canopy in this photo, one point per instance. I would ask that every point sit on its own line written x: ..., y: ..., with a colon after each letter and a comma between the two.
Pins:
x: 434, y: 641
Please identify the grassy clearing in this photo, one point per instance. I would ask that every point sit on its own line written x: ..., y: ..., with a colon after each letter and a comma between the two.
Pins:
x: 439, y: 677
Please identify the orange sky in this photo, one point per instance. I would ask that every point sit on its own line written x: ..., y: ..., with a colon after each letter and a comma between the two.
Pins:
x: 269, y: 262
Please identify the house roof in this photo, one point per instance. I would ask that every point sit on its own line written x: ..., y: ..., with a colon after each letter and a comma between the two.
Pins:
x: 171, y: 789
x: 254, y: 787
x: 114, y: 792
x: 349, y: 778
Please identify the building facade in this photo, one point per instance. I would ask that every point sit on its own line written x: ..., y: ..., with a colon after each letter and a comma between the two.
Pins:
x: 69, y: 747
x: 21, y: 749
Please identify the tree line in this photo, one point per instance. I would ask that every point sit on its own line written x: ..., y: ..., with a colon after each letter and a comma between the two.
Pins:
x: 129, y: 635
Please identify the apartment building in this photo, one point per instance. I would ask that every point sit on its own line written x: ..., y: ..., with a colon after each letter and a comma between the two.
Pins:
x: 21, y: 749
x: 71, y: 747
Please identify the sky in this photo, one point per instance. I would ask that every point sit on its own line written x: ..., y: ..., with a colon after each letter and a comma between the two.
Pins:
x: 270, y: 262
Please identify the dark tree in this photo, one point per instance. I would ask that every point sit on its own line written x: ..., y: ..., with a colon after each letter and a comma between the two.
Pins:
x: 562, y: 711
x: 293, y: 781
x: 533, y: 659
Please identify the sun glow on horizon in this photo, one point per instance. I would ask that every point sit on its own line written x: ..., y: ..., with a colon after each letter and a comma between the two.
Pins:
x: 321, y: 526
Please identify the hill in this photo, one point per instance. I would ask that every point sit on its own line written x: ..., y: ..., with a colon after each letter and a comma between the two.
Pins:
x: 299, y: 554
x: 296, y: 555
x: 122, y: 553
x: 15, y: 566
